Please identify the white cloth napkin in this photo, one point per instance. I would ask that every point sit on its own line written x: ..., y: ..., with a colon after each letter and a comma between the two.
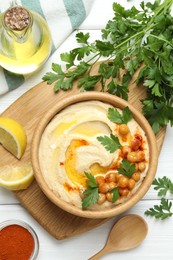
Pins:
x: 62, y: 17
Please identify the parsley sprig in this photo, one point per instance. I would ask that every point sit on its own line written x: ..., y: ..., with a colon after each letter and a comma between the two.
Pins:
x: 162, y: 211
x: 115, y: 116
x: 163, y: 185
x: 115, y: 193
x: 91, y: 192
x: 131, y: 39
x: 126, y: 168
x: 111, y: 143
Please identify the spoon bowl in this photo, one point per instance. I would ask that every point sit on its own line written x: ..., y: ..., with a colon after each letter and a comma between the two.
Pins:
x: 127, y: 233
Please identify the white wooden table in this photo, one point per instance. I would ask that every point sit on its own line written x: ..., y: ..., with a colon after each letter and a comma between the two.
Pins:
x: 159, y: 241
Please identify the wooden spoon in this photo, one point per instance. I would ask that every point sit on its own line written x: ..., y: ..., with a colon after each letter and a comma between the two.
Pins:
x: 127, y: 233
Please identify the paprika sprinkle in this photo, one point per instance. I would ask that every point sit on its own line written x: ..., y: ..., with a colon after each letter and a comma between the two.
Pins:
x: 18, y: 241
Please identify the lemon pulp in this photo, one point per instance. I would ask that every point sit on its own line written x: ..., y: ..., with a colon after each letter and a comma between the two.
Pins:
x: 12, y: 136
x: 16, y: 177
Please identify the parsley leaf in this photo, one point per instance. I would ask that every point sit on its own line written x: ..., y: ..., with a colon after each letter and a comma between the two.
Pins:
x: 82, y: 38
x: 87, y: 82
x: 91, y: 198
x: 111, y: 143
x: 119, y: 89
x: 115, y: 116
x: 105, y: 48
x: 91, y: 193
x: 127, y: 115
x: 157, y: 113
x: 91, y: 180
x: 126, y: 168
x: 116, y: 194
x: 163, y: 185
x: 161, y: 211
x: 64, y: 80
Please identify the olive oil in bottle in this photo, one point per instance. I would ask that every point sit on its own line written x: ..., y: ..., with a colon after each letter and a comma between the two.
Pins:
x: 25, y: 41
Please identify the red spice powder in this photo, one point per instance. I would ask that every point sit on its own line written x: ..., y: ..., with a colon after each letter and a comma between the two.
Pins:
x: 16, y: 243
x: 70, y: 188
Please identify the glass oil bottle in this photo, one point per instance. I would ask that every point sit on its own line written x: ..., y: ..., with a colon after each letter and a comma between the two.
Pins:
x: 25, y: 40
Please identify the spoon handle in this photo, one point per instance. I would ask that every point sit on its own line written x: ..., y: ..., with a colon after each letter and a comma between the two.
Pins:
x: 100, y: 253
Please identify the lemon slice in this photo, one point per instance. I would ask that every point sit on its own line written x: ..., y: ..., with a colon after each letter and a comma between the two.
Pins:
x: 16, y: 177
x: 12, y: 136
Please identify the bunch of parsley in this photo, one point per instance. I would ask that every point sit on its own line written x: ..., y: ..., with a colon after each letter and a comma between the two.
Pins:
x: 133, y: 40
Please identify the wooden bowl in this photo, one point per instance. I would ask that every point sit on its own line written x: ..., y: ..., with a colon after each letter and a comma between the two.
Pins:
x: 118, y: 103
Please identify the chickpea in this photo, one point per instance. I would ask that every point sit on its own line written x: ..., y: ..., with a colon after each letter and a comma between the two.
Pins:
x: 140, y: 156
x: 141, y: 166
x: 111, y: 177
x: 123, y: 192
x: 123, y: 129
x: 112, y: 185
x: 123, y: 182
x: 131, y: 184
x: 136, y: 176
x: 109, y: 196
x: 136, y: 143
x: 118, y: 176
x: 136, y: 167
x: 126, y: 149
x: 100, y: 179
x: 132, y: 157
x: 104, y: 187
x: 101, y: 199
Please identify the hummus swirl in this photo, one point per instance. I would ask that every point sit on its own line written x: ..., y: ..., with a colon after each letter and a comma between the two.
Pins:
x: 69, y: 147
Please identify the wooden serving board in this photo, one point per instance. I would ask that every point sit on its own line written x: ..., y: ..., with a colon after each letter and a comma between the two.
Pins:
x: 28, y: 110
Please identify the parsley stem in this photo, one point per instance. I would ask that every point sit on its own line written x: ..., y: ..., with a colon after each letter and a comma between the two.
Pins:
x: 143, y: 32
x: 161, y: 8
x: 98, y: 54
x: 129, y: 39
x: 94, y: 61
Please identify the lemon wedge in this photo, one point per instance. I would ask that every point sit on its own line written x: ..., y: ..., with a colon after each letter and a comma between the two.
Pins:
x: 16, y: 177
x: 12, y: 136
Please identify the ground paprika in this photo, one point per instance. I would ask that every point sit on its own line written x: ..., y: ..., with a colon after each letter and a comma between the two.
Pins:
x: 16, y: 243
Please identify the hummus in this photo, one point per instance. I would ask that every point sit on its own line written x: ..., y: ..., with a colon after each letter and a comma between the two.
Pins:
x: 69, y: 147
